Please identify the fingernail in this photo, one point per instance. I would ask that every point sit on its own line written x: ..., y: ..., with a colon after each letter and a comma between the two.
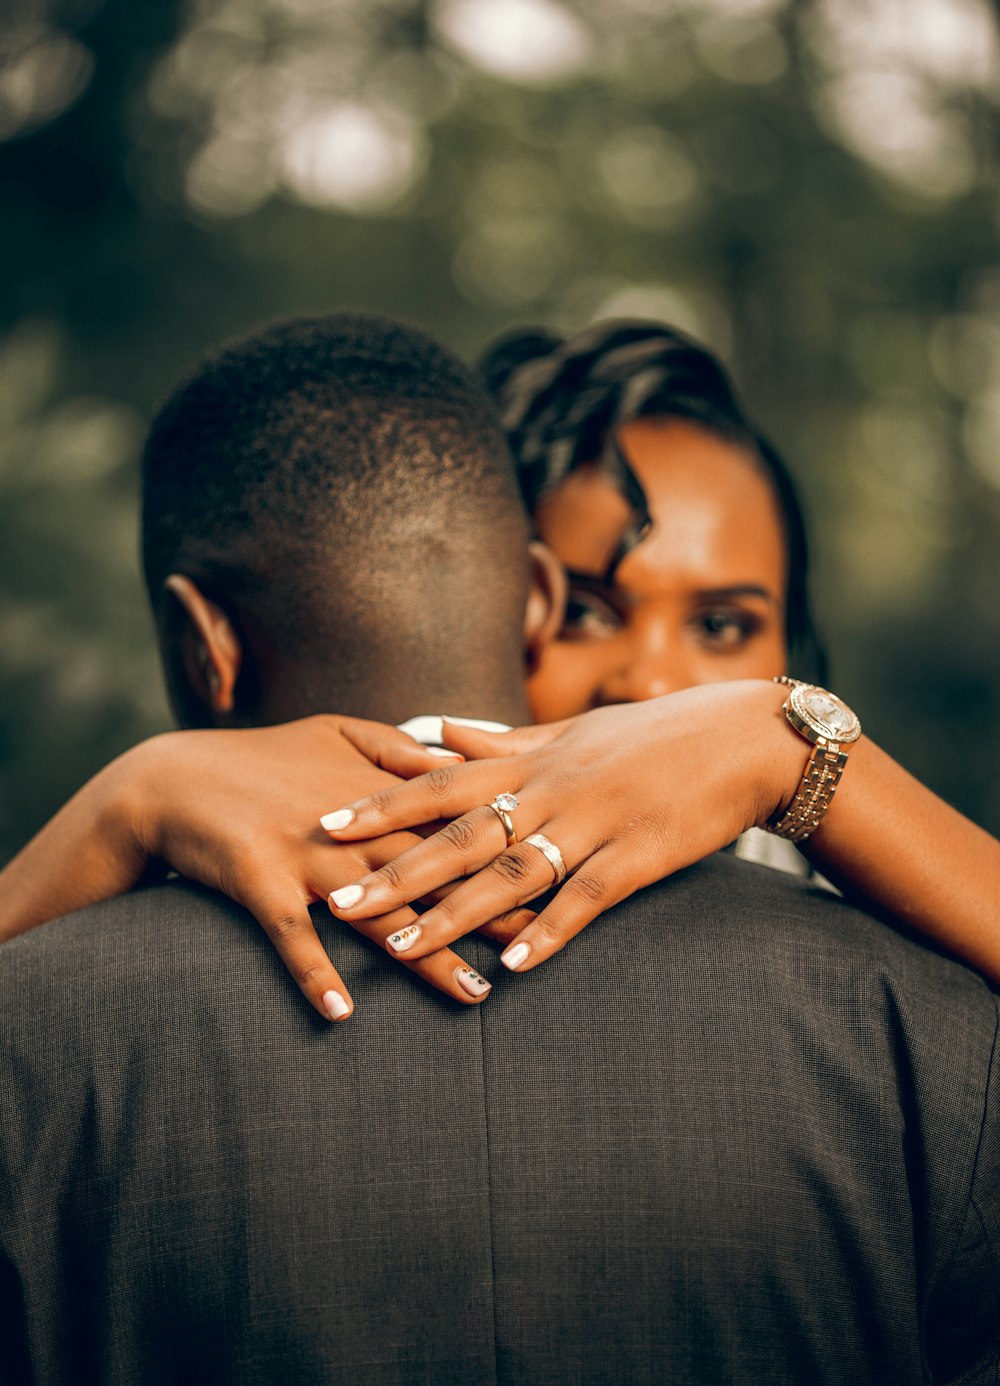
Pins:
x: 333, y: 822
x: 347, y: 896
x: 480, y: 723
x: 405, y: 939
x: 514, y: 957
x: 335, y: 1005
x: 472, y: 982
x: 443, y: 751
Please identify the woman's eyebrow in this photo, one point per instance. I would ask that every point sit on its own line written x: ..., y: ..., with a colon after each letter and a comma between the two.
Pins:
x: 743, y: 589
x: 577, y: 578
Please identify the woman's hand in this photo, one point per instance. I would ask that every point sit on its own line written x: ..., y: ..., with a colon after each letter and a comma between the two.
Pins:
x: 625, y: 794
x: 237, y: 811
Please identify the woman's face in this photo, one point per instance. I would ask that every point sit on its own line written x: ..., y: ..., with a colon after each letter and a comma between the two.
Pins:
x: 700, y: 600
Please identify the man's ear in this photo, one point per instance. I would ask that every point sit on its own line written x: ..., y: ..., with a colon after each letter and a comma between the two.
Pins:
x: 210, y: 652
x: 546, y: 605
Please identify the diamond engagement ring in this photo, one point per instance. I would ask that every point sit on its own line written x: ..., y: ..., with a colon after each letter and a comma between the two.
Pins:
x: 503, y: 806
x: 551, y: 853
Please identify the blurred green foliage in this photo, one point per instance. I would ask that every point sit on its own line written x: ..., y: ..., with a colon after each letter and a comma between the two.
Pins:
x: 810, y: 186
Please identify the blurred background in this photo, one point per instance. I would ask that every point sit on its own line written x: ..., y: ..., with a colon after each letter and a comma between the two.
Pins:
x: 810, y: 186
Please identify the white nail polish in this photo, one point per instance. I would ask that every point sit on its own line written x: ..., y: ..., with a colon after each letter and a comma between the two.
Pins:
x: 479, y: 723
x: 333, y: 822
x: 405, y: 939
x: 442, y: 751
x: 471, y: 981
x: 335, y: 1005
x: 425, y: 729
x: 514, y: 957
x: 347, y: 896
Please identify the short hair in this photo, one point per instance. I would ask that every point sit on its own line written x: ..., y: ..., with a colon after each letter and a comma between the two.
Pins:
x: 562, y: 402
x: 331, y: 478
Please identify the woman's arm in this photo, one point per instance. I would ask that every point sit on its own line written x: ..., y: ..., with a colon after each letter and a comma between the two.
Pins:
x: 892, y: 845
x: 631, y: 794
x: 237, y: 811
x: 91, y: 850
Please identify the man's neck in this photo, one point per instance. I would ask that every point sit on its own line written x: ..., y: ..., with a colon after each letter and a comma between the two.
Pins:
x: 405, y: 698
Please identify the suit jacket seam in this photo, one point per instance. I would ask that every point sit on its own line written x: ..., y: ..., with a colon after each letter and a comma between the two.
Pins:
x: 487, y: 1133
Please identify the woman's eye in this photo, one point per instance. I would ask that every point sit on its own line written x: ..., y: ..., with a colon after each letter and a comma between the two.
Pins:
x: 726, y: 630
x: 589, y: 617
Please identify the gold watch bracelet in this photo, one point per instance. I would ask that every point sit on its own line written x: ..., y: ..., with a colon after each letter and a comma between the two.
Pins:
x: 822, y: 775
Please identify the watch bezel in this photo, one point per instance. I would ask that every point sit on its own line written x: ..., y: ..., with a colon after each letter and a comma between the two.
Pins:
x: 808, y: 725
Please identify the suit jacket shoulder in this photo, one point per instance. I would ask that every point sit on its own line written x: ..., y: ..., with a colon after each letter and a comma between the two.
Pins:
x: 736, y: 1131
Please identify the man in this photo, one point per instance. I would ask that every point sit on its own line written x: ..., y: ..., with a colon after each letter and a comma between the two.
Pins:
x: 758, y: 1143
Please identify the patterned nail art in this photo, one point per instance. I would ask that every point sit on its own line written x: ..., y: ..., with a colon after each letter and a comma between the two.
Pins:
x: 472, y: 982
x: 405, y: 939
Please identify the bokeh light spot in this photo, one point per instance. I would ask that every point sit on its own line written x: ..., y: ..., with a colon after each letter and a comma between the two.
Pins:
x: 352, y: 156
x: 981, y: 436
x: 522, y: 40
x: 647, y: 170
x: 40, y: 79
x: 750, y: 53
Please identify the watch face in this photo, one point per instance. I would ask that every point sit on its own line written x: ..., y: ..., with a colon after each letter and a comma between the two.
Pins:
x: 826, y: 714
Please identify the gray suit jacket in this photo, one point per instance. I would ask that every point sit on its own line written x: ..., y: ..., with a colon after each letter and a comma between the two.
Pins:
x: 736, y: 1132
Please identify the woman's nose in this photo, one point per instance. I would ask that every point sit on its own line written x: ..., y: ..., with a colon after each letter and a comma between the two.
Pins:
x: 648, y: 666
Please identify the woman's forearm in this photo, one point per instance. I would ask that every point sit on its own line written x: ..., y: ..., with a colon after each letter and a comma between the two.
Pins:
x: 632, y: 793
x: 90, y: 850
x: 888, y: 842
x: 237, y: 811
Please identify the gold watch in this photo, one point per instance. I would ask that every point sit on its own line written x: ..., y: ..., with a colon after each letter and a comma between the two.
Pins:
x: 830, y: 725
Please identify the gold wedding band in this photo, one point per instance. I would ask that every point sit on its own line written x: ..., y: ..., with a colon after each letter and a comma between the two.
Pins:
x: 551, y: 853
x: 503, y: 806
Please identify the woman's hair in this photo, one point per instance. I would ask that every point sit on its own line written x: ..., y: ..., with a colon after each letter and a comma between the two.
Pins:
x: 562, y: 402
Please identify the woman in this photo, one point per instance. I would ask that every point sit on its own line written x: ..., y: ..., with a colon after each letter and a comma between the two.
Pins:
x: 635, y: 423
x: 630, y: 432
x: 688, y: 561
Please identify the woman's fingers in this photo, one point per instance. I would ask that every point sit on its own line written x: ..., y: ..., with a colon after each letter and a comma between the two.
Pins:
x: 458, y: 849
x: 599, y: 883
x: 446, y: 792
x: 493, y: 901
x: 392, y: 750
x: 506, y: 928
x: 442, y: 969
x: 509, y: 879
x: 476, y: 744
x: 283, y: 914
x: 280, y: 903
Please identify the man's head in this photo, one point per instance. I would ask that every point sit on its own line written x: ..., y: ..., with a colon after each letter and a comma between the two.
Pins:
x: 331, y: 520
